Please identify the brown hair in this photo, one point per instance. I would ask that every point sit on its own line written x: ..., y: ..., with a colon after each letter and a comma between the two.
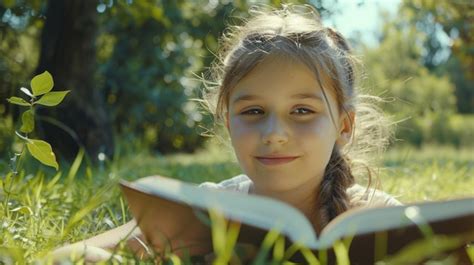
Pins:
x: 296, y: 33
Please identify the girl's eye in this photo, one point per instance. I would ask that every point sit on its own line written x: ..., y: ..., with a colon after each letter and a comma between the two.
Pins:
x: 303, y: 111
x: 252, y: 112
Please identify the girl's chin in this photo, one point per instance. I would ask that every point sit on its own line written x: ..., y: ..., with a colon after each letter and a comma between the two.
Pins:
x: 272, y: 184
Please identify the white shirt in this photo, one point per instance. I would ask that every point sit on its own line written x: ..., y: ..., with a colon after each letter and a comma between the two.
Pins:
x: 363, y: 196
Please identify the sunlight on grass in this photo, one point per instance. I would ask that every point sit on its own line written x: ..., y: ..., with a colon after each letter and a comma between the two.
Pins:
x: 428, y: 174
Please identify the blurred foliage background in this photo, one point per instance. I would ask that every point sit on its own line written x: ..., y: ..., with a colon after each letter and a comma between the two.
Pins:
x: 132, y: 67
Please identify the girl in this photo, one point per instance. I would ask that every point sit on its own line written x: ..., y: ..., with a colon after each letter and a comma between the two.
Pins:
x: 286, y: 92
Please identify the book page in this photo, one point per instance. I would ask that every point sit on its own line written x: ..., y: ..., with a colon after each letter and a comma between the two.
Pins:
x: 258, y: 211
x: 368, y: 220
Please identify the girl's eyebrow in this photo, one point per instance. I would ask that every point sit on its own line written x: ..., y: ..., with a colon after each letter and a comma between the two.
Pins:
x: 307, y: 96
x: 249, y: 97
x: 245, y: 97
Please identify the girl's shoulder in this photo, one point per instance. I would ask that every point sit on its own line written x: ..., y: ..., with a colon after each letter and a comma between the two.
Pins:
x: 239, y: 183
x: 367, y: 197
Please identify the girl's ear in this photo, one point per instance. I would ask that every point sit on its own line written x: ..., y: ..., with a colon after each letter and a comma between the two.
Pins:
x: 346, y: 128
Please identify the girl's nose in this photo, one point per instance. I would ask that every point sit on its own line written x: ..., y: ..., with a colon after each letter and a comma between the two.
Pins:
x: 274, y: 131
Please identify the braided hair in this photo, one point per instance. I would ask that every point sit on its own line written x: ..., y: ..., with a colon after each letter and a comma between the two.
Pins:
x: 333, y: 199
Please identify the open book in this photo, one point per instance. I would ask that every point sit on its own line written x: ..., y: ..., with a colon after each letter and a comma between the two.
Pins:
x: 169, y: 209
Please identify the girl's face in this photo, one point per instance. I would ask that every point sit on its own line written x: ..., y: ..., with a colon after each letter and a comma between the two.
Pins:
x: 281, y: 127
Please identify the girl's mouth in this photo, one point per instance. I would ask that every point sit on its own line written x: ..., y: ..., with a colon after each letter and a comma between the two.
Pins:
x: 273, y: 161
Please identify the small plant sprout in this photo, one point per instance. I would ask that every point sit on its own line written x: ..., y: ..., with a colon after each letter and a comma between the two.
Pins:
x: 40, y: 94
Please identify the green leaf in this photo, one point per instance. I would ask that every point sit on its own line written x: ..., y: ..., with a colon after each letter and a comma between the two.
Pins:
x: 42, y: 151
x: 52, y: 98
x: 42, y: 83
x: 18, y: 101
x: 27, y: 121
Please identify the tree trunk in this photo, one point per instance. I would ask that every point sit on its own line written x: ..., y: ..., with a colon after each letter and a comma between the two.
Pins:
x: 68, y: 52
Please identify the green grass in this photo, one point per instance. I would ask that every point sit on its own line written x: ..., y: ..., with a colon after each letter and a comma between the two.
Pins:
x: 431, y: 173
x: 41, y: 210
